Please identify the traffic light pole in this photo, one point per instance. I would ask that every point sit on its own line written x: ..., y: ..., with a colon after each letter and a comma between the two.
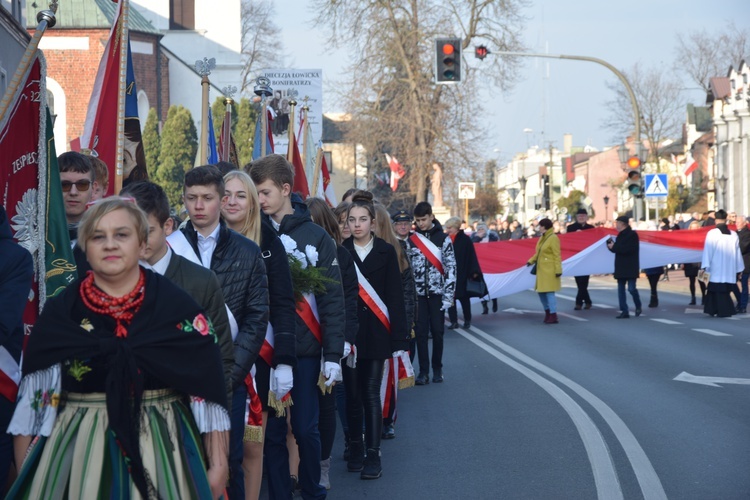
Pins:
x: 638, y: 205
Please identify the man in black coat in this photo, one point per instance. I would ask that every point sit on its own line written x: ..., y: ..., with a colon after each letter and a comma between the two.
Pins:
x: 583, y: 299
x: 467, y: 267
x: 627, y: 267
x: 743, y: 233
x: 16, y: 272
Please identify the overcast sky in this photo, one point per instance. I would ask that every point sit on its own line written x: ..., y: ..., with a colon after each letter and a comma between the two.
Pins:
x: 572, y: 99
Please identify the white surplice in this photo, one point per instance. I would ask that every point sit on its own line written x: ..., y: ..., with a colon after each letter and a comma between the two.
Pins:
x: 722, y: 257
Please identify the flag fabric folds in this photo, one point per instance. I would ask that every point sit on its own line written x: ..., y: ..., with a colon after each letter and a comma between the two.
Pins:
x: 134, y: 155
x: 213, y: 155
x: 224, y: 137
x: 397, y: 171
x: 301, y: 186
x: 258, y: 136
x: 690, y: 164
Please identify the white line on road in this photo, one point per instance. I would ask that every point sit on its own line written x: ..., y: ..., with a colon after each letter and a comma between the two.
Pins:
x: 710, y: 381
x: 691, y: 310
x: 666, y: 321
x: 649, y: 481
x: 712, y: 332
x: 571, y: 316
x: 568, y: 297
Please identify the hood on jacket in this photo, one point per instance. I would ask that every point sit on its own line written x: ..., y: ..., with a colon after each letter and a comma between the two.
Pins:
x: 436, y: 228
x: 301, y: 215
x: 5, y: 233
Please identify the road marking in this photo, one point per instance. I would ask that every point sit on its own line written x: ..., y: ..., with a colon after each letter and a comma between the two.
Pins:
x: 648, y: 480
x: 666, y: 321
x: 602, y: 466
x: 691, y: 310
x: 521, y: 311
x: 712, y: 332
x: 568, y: 297
x: 710, y: 381
x: 571, y: 316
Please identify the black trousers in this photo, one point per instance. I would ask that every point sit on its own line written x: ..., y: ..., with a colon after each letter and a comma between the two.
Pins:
x: 362, y: 385
x: 430, y: 319
x: 465, y: 309
x: 327, y: 423
x: 582, y: 297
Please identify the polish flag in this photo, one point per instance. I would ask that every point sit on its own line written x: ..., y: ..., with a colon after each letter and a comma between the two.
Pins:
x: 503, y: 263
x: 690, y: 164
x: 397, y: 171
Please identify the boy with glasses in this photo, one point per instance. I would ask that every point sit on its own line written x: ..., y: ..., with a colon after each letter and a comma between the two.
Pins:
x: 77, y: 181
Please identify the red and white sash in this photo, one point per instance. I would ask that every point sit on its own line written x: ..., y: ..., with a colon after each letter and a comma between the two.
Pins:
x: 373, y: 301
x: 266, y: 350
x: 431, y: 252
x: 307, y: 309
x: 10, y: 375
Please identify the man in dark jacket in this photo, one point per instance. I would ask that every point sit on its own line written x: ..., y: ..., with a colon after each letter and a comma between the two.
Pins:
x: 434, y: 265
x: 583, y: 299
x: 200, y: 283
x: 239, y: 266
x: 743, y: 233
x: 78, y: 185
x: 627, y: 267
x: 321, y: 333
x: 16, y: 272
x: 467, y: 268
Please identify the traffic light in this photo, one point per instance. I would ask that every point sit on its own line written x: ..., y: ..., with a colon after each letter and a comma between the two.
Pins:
x: 447, y: 60
x: 634, y: 176
x: 481, y: 52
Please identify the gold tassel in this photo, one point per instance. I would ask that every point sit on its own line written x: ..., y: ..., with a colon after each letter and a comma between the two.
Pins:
x: 405, y: 383
x: 253, y: 434
x: 324, y: 389
x: 279, y: 406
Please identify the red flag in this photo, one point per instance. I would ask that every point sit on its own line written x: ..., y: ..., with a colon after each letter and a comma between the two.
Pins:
x: 397, y: 171
x: 300, y: 179
x: 103, y: 131
x: 328, y: 193
x: 690, y: 164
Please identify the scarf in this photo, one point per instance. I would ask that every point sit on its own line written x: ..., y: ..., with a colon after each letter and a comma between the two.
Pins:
x: 169, y: 339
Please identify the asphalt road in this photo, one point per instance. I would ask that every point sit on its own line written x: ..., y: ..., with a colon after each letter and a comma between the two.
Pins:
x: 594, y: 407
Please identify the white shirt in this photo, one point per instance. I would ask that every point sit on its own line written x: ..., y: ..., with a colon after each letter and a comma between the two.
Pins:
x: 207, y: 245
x: 722, y: 257
x: 160, y: 267
x: 363, y: 252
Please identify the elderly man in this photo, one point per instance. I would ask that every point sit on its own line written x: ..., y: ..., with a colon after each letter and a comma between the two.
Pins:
x: 583, y: 299
x: 722, y: 259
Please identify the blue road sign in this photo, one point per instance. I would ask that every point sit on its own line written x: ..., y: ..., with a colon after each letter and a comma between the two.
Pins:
x: 656, y: 185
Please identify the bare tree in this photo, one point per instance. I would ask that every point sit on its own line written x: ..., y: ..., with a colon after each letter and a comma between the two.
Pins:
x: 390, y: 91
x: 703, y: 55
x: 658, y: 96
x: 261, y: 39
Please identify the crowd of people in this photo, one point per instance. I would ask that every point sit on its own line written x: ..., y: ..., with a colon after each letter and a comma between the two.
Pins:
x: 191, y: 356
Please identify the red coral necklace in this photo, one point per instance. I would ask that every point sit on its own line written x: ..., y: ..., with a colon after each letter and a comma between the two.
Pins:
x: 122, y: 309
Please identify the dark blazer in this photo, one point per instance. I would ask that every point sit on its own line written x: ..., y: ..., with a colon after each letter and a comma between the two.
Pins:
x: 626, y: 250
x: 744, y: 236
x: 203, y: 286
x: 350, y: 283
x: 467, y: 264
x: 380, y: 269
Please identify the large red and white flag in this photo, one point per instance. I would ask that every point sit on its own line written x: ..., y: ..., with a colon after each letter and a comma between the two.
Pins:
x: 690, y: 164
x: 301, y: 186
x: 503, y: 263
x: 104, y: 129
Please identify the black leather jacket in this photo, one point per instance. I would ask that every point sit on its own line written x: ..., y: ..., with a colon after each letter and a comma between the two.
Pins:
x: 239, y: 266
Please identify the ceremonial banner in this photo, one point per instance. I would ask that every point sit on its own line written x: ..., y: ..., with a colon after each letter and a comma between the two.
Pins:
x: 213, y: 154
x: 301, y: 186
x: 297, y: 84
x: 259, y: 136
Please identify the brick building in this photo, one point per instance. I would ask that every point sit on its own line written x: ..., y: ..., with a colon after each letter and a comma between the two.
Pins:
x: 74, y: 48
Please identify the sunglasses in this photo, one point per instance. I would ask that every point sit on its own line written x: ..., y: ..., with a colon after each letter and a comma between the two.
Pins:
x: 82, y: 185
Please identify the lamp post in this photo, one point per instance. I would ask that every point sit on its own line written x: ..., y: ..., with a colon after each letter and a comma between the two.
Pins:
x: 522, y: 182
x: 723, y: 186
x: 512, y: 194
x: 606, y: 208
x: 680, y: 192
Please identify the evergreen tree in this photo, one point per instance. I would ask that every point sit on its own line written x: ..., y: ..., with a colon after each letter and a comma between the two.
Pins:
x: 179, y: 144
x: 244, y: 129
x: 151, y: 143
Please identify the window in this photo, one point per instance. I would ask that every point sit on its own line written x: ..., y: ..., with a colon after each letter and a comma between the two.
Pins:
x: 16, y: 10
x: 182, y: 14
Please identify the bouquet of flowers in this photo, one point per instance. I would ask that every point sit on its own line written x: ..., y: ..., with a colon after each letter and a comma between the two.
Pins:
x: 306, y: 278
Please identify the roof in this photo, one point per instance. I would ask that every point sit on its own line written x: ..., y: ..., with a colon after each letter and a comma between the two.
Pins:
x: 334, y: 128
x: 93, y: 14
x: 718, y: 88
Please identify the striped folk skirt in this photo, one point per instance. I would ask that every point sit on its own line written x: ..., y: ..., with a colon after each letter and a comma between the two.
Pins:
x: 81, y: 460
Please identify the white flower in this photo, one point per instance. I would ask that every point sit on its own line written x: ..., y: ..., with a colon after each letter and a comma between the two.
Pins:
x: 300, y: 257
x: 312, y: 255
x: 289, y: 244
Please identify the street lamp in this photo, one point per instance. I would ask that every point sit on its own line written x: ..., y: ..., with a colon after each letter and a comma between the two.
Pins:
x: 522, y: 182
x: 606, y: 208
x: 723, y: 186
x: 624, y: 153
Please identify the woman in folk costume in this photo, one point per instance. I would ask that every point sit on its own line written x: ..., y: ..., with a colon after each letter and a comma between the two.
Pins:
x: 323, y: 216
x: 382, y: 333
x: 241, y: 211
x: 384, y: 229
x: 548, y: 269
x: 112, y: 369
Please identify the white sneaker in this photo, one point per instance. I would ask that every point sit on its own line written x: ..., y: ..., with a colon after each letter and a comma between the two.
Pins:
x: 325, y: 467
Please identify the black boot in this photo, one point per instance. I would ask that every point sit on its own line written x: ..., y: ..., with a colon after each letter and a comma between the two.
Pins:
x: 654, y: 302
x: 485, y: 309
x: 356, y: 456
x: 692, y: 301
x: 346, y: 447
x: 372, y: 468
x: 494, y: 305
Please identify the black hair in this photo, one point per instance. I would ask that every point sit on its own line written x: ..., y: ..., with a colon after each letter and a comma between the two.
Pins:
x: 205, y: 175
x: 545, y: 223
x: 720, y: 214
x: 73, y: 161
x: 150, y: 197
x: 363, y: 199
x: 423, y: 208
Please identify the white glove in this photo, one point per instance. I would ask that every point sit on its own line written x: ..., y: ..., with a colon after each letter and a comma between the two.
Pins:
x: 283, y: 381
x: 332, y: 372
x: 398, y: 354
x: 347, y: 349
x: 446, y: 306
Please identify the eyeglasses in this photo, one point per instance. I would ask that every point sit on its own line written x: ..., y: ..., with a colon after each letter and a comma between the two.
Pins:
x: 82, y: 185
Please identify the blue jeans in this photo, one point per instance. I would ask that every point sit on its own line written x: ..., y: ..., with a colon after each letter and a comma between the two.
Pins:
x: 304, y: 419
x: 236, y: 487
x: 743, y: 293
x: 633, y: 291
x: 549, y: 301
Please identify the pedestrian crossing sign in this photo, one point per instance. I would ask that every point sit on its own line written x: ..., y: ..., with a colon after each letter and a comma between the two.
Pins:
x: 656, y: 185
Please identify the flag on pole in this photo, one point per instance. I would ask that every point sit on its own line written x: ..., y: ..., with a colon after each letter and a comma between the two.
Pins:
x: 134, y: 155
x: 690, y: 164
x: 213, y: 155
x: 309, y: 151
x: 104, y: 129
x: 258, y: 137
x: 301, y: 186
x: 397, y: 171
x: 227, y: 147
x: 32, y: 196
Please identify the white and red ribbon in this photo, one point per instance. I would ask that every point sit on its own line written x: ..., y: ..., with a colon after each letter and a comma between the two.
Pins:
x: 372, y: 300
x: 431, y: 252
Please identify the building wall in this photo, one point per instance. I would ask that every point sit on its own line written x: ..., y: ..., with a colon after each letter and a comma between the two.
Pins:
x: 342, y: 160
x: 13, y: 40
x: 602, y: 176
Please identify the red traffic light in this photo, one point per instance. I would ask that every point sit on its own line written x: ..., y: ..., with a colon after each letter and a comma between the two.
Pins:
x: 481, y: 52
x: 634, y: 162
x: 448, y: 49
